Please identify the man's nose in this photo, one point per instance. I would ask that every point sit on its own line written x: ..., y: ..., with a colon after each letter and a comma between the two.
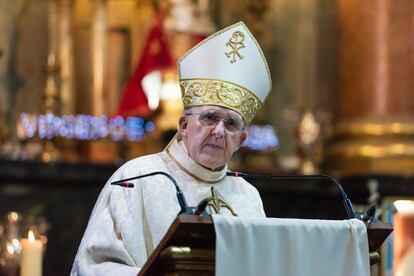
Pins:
x: 219, y: 129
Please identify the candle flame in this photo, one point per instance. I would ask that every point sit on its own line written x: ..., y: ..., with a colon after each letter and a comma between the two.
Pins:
x: 10, y: 249
x: 16, y: 242
x: 31, y: 236
x: 13, y: 216
x: 404, y: 206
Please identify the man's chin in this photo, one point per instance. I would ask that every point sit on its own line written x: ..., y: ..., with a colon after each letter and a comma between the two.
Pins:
x: 212, y: 164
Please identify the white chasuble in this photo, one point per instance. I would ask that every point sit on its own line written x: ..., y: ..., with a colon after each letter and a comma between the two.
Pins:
x: 128, y: 223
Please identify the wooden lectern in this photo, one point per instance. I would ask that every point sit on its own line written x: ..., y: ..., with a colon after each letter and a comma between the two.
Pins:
x: 188, y: 248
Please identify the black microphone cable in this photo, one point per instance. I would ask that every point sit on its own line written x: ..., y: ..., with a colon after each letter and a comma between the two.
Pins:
x: 346, y: 201
x: 180, y: 194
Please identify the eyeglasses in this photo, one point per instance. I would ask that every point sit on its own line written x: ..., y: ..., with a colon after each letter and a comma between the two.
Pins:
x: 211, y: 118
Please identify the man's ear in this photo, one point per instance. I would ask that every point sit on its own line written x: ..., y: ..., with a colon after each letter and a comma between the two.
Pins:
x: 243, y: 137
x: 183, y: 125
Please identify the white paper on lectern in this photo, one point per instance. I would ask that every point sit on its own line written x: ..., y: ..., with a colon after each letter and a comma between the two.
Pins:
x: 290, y: 247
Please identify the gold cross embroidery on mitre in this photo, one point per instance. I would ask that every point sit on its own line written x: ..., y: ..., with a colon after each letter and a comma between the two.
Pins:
x: 235, y: 42
x: 216, y: 203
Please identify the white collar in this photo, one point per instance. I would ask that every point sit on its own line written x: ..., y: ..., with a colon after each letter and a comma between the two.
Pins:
x: 178, y: 153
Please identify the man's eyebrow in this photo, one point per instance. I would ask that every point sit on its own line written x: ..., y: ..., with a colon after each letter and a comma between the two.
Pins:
x: 230, y: 116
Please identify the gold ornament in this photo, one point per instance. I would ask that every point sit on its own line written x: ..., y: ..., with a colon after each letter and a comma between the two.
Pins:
x: 216, y: 203
x: 235, y: 43
x: 198, y: 92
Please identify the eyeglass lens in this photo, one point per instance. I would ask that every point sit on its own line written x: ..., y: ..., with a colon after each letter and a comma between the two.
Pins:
x: 210, y: 118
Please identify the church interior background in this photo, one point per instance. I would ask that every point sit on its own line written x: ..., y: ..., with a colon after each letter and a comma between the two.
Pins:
x: 86, y: 85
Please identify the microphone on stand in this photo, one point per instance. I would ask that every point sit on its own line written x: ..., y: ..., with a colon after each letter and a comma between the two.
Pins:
x: 369, y: 214
x: 200, y: 210
x: 180, y: 195
x: 347, y: 203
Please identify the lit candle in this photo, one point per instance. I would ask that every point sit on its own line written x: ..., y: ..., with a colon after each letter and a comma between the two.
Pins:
x: 31, y: 258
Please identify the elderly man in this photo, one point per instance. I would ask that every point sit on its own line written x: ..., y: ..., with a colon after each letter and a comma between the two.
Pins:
x: 224, y: 80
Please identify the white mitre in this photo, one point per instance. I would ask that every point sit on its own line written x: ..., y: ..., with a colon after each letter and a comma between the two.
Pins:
x: 226, y: 69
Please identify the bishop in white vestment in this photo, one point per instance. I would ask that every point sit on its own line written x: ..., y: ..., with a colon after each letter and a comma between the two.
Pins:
x: 224, y: 81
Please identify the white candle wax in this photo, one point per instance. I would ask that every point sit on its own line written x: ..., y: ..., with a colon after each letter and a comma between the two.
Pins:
x: 31, y: 258
x: 403, y: 238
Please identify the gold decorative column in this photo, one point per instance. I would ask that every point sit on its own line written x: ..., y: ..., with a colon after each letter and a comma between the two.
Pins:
x: 67, y: 95
x: 52, y: 88
x: 51, y: 93
x: 10, y: 12
x: 103, y: 150
x: 375, y: 124
x: 98, y: 53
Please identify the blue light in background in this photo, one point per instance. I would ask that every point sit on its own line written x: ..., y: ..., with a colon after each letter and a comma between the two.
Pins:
x: 84, y: 127
x: 261, y: 138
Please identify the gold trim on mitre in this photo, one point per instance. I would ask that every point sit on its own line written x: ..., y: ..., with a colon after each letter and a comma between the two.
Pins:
x: 200, y: 91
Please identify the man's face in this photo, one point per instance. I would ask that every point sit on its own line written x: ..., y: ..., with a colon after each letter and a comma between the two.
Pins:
x: 212, y: 144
